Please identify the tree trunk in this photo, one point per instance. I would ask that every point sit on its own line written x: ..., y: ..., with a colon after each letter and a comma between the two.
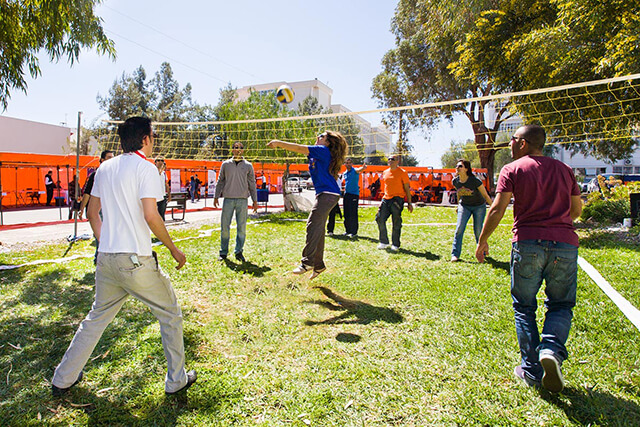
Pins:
x: 487, y: 155
x: 285, y: 193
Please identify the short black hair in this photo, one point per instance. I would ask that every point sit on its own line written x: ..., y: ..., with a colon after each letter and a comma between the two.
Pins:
x: 534, y: 135
x: 103, y: 155
x: 132, y: 132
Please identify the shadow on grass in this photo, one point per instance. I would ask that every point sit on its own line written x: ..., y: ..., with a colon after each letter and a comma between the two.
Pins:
x: 426, y: 254
x: 590, y: 407
x: 285, y: 217
x: 354, y: 312
x: 502, y: 265
x: 610, y: 240
x: 40, y: 319
x: 346, y: 337
x: 247, y: 267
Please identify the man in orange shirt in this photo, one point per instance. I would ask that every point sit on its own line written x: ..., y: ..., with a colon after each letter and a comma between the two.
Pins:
x: 396, y: 187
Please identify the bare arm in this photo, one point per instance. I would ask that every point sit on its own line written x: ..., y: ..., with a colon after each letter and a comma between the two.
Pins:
x: 576, y: 207
x: 496, y: 212
x: 483, y: 192
x: 360, y: 169
x: 407, y: 190
x: 289, y: 146
x: 156, y: 224
x: 93, y: 214
x: 83, y: 204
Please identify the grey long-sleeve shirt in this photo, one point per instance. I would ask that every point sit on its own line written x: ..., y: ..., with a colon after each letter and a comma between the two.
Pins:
x: 236, y: 180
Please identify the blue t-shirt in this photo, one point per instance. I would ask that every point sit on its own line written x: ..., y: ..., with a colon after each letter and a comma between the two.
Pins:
x: 319, y: 161
x: 351, y: 182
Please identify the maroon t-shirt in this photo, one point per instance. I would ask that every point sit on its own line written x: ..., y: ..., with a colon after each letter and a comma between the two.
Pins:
x: 542, y: 188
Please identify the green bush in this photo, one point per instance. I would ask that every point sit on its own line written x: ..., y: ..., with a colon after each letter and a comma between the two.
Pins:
x: 612, y: 207
x: 606, y: 211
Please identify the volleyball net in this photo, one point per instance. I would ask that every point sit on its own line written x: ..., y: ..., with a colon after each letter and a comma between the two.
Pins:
x: 603, y: 115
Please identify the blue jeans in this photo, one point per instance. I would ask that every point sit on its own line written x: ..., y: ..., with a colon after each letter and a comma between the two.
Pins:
x: 390, y: 208
x: 464, y: 213
x: 239, y: 206
x: 533, y: 261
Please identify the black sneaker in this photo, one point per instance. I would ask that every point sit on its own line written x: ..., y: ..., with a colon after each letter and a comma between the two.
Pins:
x: 520, y: 374
x: 552, y: 379
x: 192, y: 376
x: 57, y: 391
x: 240, y: 257
x: 222, y: 257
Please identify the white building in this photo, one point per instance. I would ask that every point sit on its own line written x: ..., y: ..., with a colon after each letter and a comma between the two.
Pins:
x: 591, y: 167
x: 25, y: 136
x: 374, y: 138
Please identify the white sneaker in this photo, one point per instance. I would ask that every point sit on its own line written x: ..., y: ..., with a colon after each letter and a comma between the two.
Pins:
x: 301, y: 269
x: 552, y: 379
x: 383, y: 245
x: 454, y: 258
x: 330, y: 233
x: 394, y: 248
x: 351, y: 236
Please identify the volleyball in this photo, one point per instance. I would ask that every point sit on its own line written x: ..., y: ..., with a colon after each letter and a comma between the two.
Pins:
x: 285, y: 94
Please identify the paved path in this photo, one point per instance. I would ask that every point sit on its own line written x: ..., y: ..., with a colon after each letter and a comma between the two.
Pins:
x: 22, y: 227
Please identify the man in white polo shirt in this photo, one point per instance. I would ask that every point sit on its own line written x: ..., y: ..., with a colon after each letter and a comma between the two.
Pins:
x: 126, y: 189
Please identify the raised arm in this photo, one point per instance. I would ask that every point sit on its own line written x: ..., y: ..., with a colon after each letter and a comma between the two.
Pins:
x: 289, y: 146
x: 360, y: 169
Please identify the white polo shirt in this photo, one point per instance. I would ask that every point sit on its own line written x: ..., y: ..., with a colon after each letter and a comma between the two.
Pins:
x: 121, y: 183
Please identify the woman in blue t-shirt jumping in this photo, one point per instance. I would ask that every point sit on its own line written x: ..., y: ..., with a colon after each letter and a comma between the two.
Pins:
x: 325, y: 160
x: 472, y: 197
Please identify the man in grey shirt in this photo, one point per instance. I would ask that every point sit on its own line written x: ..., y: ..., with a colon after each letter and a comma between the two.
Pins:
x: 236, y: 182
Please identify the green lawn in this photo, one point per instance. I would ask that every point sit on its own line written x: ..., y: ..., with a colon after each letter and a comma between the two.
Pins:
x: 379, y: 339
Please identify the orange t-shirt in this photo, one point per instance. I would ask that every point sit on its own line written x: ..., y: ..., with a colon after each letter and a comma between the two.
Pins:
x: 394, y: 181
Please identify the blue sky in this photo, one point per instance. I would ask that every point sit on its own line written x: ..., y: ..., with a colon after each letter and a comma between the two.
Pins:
x: 243, y: 42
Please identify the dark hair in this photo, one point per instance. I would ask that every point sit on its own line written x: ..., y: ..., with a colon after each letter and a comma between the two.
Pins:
x: 103, y: 155
x: 132, y: 132
x: 338, y: 149
x: 534, y: 135
x: 466, y: 164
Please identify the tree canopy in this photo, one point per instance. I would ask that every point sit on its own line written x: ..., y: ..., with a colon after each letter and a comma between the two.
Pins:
x: 57, y: 27
x: 162, y: 100
x: 450, y: 49
x: 417, y: 71
x: 533, y: 44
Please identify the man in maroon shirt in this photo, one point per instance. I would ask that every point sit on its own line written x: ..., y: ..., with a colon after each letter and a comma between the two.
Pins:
x: 544, y: 247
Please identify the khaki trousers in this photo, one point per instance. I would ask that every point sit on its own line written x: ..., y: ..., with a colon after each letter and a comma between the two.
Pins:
x: 116, y: 278
x: 313, y: 252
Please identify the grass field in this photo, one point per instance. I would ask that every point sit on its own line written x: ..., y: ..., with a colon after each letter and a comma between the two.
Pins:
x: 379, y: 339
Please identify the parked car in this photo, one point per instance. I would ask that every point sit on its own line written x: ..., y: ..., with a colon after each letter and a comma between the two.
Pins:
x: 294, y: 184
x: 592, y: 185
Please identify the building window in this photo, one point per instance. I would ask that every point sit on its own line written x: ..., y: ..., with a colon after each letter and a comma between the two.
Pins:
x: 617, y: 169
x: 602, y: 171
x: 636, y: 169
